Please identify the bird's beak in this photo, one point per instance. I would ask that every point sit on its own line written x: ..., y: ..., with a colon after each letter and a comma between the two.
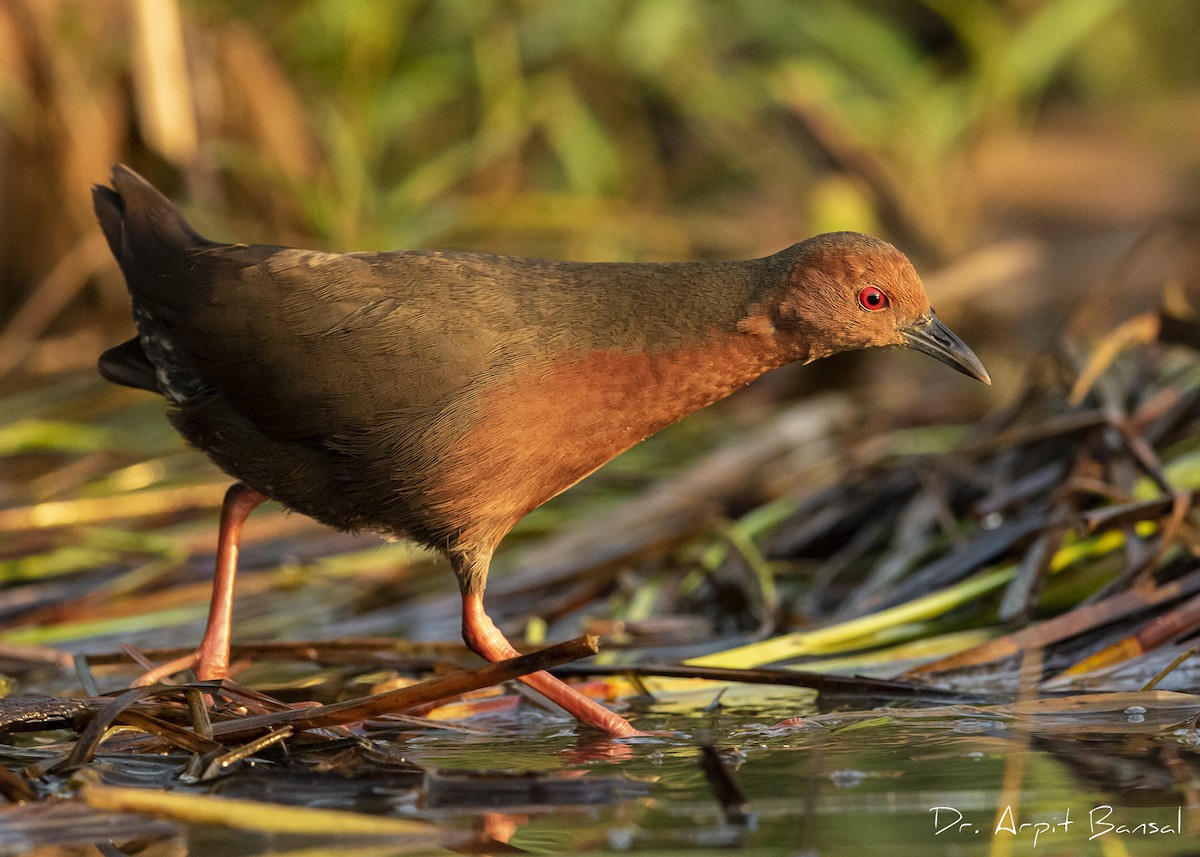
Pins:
x: 928, y: 334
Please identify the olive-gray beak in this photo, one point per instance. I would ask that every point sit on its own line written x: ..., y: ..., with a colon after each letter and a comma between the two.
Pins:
x: 928, y: 334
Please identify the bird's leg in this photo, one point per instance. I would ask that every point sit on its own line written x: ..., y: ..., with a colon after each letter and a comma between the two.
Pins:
x: 211, y: 660
x: 484, y: 638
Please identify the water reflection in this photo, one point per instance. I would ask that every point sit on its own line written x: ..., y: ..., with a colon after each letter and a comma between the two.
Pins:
x: 962, y: 784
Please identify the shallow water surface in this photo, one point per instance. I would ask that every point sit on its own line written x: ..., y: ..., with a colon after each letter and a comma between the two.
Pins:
x: 949, y: 784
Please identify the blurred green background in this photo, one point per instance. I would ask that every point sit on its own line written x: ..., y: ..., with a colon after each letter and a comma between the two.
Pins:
x: 1038, y: 159
x: 1017, y: 149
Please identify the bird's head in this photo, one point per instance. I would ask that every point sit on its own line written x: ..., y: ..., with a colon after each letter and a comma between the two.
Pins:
x: 846, y: 290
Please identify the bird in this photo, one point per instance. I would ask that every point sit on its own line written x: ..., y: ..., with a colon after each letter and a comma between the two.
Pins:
x: 442, y: 396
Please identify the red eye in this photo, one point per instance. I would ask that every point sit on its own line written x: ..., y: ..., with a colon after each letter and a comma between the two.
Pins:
x: 873, y: 299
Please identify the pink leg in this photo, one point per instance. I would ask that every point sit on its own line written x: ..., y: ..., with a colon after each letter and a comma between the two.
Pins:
x: 211, y: 660
x: 484, y: 638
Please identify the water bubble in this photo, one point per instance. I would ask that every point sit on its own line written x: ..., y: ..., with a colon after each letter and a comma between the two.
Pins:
x: 1135, y: 714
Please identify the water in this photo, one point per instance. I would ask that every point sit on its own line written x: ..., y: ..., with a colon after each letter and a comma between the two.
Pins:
x: 962, y: 783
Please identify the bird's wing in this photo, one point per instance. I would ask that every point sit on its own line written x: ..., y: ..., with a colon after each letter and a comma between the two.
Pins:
x: 308, y: 345
x: 314, y: 345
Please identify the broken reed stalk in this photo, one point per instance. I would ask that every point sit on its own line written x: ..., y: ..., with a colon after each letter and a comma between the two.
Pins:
x: 405, y: 698
x: 319, y: 717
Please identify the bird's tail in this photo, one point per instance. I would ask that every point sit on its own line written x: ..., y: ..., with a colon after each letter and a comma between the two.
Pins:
x: 155, y: 248
x: 146, y: 232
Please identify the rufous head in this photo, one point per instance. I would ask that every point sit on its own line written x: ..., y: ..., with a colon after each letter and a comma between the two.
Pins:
x: 846, y: 290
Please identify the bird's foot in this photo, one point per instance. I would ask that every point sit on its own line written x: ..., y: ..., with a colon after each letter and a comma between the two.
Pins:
x: 485, y: 639
x: 207, y: 666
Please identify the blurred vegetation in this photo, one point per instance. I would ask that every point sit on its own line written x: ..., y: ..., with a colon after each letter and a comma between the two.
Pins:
x: 1037, y: 158
x: 599, y: 130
